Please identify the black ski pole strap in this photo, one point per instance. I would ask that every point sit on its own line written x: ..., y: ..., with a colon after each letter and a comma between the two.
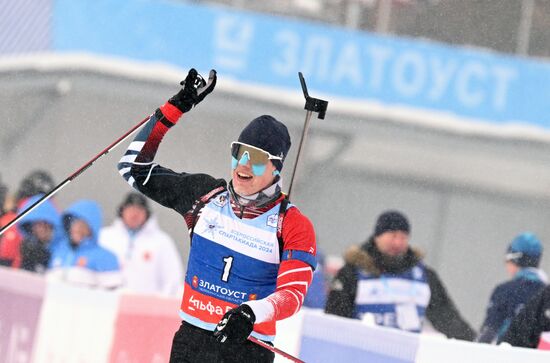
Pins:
x: 199, y: 205
x: 282, y: 212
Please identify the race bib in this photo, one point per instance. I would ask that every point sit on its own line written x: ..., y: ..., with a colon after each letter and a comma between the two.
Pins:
x: 407, y: 317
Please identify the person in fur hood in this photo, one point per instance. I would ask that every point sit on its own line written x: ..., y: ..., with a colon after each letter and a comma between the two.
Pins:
x: 386, y: 280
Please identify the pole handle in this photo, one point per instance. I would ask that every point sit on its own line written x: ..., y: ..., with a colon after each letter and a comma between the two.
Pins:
x: 313, y: 104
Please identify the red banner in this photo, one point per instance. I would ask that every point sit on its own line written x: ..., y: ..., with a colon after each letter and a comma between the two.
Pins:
x: 144, y: 329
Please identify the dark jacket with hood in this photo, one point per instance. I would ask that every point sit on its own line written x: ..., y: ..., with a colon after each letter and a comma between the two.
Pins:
x: 35, y: 255
x: 441, y: 311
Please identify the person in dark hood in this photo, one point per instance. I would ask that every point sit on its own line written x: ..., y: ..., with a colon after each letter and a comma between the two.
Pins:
x: 36, y: 182
x: 42, y: 232
x: 386, y: 280
x: 3, y: 196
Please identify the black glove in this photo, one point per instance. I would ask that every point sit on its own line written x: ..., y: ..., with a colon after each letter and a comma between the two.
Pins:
x: 194, y: 90
x: 236, y: 325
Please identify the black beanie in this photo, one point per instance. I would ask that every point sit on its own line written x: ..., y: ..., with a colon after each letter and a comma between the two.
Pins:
x: 391, y: 221
x: 268, y: 134
x: 38, y: 181
x: 134, y: 198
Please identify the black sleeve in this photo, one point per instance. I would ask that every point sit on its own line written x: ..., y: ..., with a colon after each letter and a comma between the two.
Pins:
x: 174, y: 190
x: 341, y: 297
x: 442, y: 312
x: 526, y: 327
x: 495, y: 316
x: 171, y: 189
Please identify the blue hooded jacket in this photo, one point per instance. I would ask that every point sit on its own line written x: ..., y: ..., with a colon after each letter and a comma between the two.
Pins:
x: 88, y: 253
x: 45, y: 212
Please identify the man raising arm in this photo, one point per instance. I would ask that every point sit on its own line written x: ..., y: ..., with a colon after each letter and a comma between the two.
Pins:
x: 252, y: 252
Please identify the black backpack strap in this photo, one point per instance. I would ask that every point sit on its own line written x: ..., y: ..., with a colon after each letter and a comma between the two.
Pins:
x: 199, y: 204
x: 282, y: 212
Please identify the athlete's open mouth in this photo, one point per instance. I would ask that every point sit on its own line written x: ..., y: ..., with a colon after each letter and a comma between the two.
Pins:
x: 244, y: 176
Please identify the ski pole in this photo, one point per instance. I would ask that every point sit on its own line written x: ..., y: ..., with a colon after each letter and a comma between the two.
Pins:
x: 275, y: 350
x: 61, y: 185
x: 312, y: 105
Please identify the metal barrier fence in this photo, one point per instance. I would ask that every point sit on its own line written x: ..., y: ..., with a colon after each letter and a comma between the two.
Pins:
x: 509, y: 26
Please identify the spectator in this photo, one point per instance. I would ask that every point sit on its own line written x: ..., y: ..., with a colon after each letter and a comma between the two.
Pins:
x: 42, y: 232
x: 252, y: 253
x: 148, y: 257
x: 528, y: 325
x: 386, y: 279
x: 3, y: 197
x: 522, y: 259
x: 78, y: 258
x: 316, y: 297
x: 36, y: 182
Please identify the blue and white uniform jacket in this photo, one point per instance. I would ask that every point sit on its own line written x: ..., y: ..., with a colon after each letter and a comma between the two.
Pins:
x: 394, y: 300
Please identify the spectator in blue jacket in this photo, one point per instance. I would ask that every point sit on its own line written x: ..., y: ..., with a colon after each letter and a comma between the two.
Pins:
x: 42, y: 233
x: 522, y: 261
x: 79, y: 258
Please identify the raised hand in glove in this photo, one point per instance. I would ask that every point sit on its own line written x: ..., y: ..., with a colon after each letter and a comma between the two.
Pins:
x: 236, y: 325
x: 194, y: 90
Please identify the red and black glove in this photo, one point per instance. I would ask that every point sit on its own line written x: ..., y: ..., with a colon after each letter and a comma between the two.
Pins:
x: 194, y: 90
x: 236, y: 325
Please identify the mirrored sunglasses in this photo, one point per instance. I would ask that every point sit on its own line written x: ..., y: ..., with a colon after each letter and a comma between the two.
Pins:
x: 256, y: 155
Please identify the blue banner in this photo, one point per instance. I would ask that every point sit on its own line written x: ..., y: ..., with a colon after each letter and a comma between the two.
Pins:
x: 271, y: 50
x: 326, y: 338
